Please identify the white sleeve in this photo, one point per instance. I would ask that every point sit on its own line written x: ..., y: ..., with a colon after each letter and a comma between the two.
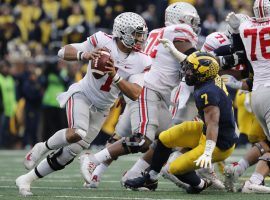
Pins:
x: 137, y: 78
x: 85, y: 46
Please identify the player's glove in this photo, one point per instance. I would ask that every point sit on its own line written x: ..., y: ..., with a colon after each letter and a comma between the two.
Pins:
x: 170, y: 46
x: 229, y: 61
x: 231, y: 81
x: 233, y: 21
x: 205, y: 160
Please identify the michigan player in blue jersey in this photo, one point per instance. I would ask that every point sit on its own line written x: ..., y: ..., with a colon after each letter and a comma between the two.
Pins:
x: 211, y: 140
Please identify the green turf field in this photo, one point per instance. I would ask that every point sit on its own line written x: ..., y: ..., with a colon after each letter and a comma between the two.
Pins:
x: 67, y: 184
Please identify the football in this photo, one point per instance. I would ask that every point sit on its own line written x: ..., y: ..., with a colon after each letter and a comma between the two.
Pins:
x: 99, y: 65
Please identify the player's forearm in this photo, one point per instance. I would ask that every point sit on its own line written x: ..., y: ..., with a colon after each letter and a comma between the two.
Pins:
x: 68, y: 53
x: 131, y: 90
x: 212, y: 131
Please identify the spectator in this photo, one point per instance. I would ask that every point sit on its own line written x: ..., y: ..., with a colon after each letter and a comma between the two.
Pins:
x: 8, y: 100
x: 210, y: 25
x: 56, y: 81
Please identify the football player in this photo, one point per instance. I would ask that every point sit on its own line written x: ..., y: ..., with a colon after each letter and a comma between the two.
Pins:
x: 212, y: 140
x: 88, y: 101
x: 253, y: 34
x: 181, y: 20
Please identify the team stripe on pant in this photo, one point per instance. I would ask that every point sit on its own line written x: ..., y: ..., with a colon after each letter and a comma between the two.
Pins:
x: 70, y: 119
x: 143, y: 112
x: 175, y: 101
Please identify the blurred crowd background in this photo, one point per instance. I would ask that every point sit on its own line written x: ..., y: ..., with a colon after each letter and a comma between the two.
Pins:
x: 31, y: 75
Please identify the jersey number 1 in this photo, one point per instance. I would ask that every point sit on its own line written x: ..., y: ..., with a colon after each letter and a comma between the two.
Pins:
x: 264, y: 43
x: 106, y: 87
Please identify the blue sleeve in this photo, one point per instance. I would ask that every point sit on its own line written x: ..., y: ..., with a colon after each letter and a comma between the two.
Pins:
x: 207, y: 97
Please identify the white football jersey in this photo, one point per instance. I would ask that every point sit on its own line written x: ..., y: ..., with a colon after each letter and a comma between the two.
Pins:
x: 214, y: 41
x: 256, y: 39
x: 102, y: 92
x: 164, y: 73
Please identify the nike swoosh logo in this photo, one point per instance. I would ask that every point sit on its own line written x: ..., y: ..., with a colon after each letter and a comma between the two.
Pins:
x: 127, y: 67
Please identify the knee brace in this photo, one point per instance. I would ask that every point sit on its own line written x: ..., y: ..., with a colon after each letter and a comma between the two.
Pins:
x: 136, y: 143
x: 259, y: 147
x: 53, y: 162
x: 266, y: 158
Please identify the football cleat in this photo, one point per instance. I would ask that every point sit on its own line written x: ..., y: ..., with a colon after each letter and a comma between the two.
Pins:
x: 193, y: 190
x: 23, y: 184
x: 211, y: 175
x: 34, y: 155
x: 130, y: 175
x: 87, y: 166
x: 232, y: 173
x: 249, y: 187
x: 142, y: 182
x: 165, y: 174
x: 94, y: 183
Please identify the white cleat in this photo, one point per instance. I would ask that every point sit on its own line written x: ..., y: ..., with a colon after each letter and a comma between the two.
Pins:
x: 94, y: 183
x: 165, y: 174
x: 232, y: 173
x: 24, y: 186
x: 87, y: 166
x: 34, y: 155
x: 254, y: 188
x: 211, y: 175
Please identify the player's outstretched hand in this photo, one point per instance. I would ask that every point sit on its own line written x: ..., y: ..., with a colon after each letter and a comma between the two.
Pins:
x: 170, y: 46
x: 233, y: 21
x: 92, y: 55
x: 232, y: 82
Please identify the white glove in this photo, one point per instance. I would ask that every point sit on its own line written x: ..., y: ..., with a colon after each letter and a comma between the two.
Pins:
x: 231, y: 81
x: 233, y: 21
x: 205, y: 160
x: 170, y: 46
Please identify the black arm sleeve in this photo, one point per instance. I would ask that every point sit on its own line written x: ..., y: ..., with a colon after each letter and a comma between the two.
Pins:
x: 237, y: 42
x: 224, y: 50
x: 190, y: 51
x: 249, y: 82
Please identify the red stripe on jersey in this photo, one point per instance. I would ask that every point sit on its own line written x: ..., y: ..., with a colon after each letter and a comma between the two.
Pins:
x: 176, y: 99
x: 143, y: 111
x: 185, y: 31
x: 261, y: 9
x: 208, y: 47
x: 93, y: 41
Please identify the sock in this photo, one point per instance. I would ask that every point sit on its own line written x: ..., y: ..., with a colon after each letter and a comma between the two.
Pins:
x: 190, y: 178
x: 102, y: 156
x: 100, y: 169
x: 153, y: 175
x: 140, y: 165
x: 43, y: 169
x: 256, y: 178
x: 31, y: 175
x: 200, y: 186
x: 243, y: 165
x: 58, y: 140
x: 160, y: 156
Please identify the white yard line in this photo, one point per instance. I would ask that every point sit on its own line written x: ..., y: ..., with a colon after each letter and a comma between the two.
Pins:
x: 96, y: 197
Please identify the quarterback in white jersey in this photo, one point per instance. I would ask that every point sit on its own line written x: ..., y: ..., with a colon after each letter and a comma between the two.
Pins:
x: 181, y: 20
x: 88, y: 101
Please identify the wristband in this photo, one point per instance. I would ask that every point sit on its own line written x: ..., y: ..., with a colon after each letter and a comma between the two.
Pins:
x: 79, y: 55
x: 209, y: 147
x: 117, y: 78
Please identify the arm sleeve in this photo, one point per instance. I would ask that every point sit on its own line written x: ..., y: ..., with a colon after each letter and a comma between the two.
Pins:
x: 85, y: 46
x: 237, y: 42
